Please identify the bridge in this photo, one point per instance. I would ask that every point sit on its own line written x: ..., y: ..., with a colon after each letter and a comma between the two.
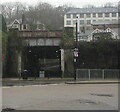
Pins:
x: 42, y: 38
x: 43, y: 52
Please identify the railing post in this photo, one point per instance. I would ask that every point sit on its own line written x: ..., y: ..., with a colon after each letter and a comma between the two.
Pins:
x: 103, y: 74
x: 89, y: 73
x: 76, y: 73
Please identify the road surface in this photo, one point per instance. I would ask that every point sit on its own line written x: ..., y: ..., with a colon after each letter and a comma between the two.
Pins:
x: 61, y: 97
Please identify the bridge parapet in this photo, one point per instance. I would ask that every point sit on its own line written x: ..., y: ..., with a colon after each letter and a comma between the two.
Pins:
x: 41, y: 38
x: 40, y: 34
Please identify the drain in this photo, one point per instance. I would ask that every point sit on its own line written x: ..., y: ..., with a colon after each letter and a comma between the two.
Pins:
x: 87, y: 102
x: 8, y: 109
x: 106, y: 95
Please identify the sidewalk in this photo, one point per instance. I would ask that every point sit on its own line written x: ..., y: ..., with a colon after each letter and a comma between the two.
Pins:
x: 32, y: 81
x: 93, y: 82
x: 17, y: 82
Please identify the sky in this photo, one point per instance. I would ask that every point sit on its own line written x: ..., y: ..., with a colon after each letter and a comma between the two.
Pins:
x: 76, y: 3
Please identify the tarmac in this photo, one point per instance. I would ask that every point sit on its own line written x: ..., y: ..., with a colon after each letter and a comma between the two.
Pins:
x: 59, y: 94
x: 61, y: 97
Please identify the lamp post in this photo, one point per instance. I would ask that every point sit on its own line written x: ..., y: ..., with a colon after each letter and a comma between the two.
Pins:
x: 75, y: 49
x: 76, y: 30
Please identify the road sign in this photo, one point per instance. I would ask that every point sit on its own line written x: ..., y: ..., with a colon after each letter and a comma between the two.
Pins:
x: 41, y: 74
x: 76, y: 52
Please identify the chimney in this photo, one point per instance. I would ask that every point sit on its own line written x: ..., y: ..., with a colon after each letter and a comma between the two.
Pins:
x: 23, y: 18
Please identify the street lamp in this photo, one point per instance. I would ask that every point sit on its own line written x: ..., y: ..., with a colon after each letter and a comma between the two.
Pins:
x: 75, y: 49
x: 76, y: 30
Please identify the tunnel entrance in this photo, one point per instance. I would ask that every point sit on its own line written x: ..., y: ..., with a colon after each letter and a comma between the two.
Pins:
x: 43, y: 58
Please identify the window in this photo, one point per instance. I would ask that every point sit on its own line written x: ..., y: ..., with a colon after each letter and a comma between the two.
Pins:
x: 74, y: 22
x: 100, y: 15
x: 68, y: 16
x: 74, y: 15
x: 68, y: 22
x: 114, y: 14
x: 88, y: 15
x: 107, y: 19
x: 107, y: 14
x: 81, y: 15
x: 119, y: 14
x: 15, y: 26
x: 100, y: 19
x: 88, y: 21
x: 94, y: 14
x: 94, y: 20
x: 24, y: 27
x: 114, y: 20
x: 81, y: 21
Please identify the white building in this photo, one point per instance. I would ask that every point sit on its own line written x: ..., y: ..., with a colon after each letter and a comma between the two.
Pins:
x: 18, y: 24
x: 85, y: 16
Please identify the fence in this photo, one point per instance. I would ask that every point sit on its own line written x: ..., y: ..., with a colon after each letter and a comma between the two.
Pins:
x: 97, y: 74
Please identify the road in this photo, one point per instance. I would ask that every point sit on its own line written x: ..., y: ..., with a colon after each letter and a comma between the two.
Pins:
x: 61, y: 97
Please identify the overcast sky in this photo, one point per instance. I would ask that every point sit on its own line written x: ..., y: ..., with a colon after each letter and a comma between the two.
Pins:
x: 77, y: 3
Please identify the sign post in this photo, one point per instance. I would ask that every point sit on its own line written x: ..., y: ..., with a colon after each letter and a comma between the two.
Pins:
x: 75, y: 61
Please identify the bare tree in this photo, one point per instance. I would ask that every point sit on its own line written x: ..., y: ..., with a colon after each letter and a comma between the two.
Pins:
x: 50, y: 16
x: 110, y: 4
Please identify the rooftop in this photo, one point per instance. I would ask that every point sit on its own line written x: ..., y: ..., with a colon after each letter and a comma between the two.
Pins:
x: 93, y: 10
x: 105, y: 22
x: 88, y: 32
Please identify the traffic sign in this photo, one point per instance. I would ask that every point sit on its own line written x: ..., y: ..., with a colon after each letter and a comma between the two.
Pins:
x: 76, y: 52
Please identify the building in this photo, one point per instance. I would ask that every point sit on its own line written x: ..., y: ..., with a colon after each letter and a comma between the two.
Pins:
x: 98, y: 28
x: 105, y: 24
x: 92, y: 20
x: 23, y: 25
x: 40, y: 26
x: 17, y: 24
x: 105, y: 27
x: 86, y: 16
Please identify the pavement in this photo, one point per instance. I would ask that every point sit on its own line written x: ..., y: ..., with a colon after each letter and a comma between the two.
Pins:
x: 21, y: 82
x: 17, y: 82
x: 94, y: 82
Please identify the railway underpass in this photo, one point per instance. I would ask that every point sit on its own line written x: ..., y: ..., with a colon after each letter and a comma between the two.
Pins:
x: 43, y: 58
x: 42, y: 52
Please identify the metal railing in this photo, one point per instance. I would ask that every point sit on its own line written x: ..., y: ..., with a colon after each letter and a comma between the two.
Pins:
x: 97, y: 74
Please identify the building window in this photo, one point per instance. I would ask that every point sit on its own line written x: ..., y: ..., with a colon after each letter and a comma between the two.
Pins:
x: 81, y: 15
x: 100, y: 15
x: 118, y: 14
x: 74, y: 15
x: 107, y: 19
x: 114, y: 20
x: 94, y: 14
x: 88, y: 15
x: 107, y: 14
x: 24, y: 27
x: 88, y: 21
x: 68, y: 22
x: 15, y: 26
x: 74, y: 22
x: 114, y: 14
x: 68, y: 16
x: 81, y: 21
x: 100, y: 19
